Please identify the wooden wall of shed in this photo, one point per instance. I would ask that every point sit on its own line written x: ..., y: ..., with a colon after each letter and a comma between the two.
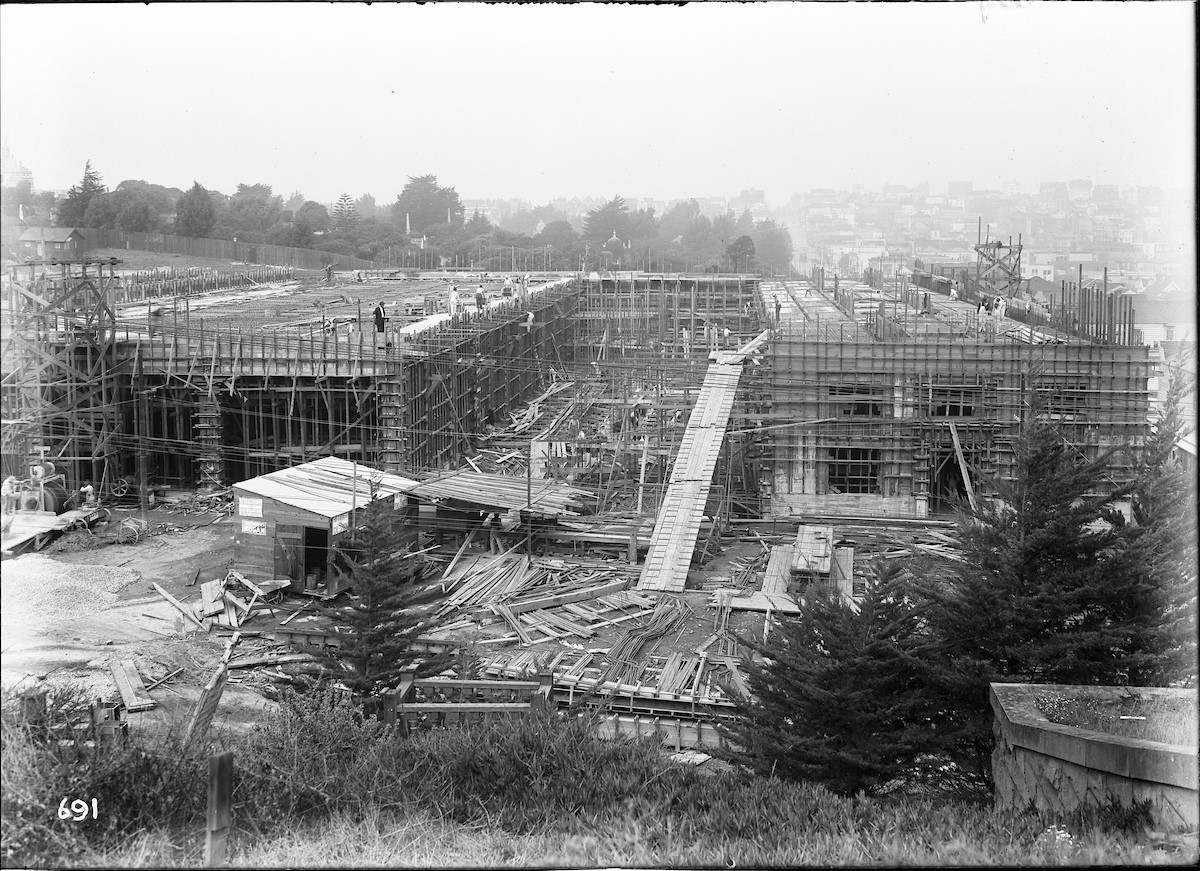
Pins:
x: 254, y: 555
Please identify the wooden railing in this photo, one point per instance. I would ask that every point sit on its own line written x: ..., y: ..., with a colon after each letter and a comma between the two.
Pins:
x: 436, y: 703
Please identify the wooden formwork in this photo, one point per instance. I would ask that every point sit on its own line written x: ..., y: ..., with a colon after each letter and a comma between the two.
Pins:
x: 216, y: 402
x: 862, y: 423
x: 62, y: 387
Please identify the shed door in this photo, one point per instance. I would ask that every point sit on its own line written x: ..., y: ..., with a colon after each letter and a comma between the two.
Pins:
x: 289, y: 551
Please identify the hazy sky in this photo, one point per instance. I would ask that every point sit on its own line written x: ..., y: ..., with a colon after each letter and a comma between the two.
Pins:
x: 642, y: 100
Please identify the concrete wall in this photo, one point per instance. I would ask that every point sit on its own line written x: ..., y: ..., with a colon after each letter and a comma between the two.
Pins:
x: 1059, y: 768
x: 784, y: 503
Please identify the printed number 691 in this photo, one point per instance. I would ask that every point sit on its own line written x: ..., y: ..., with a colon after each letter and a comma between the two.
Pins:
x: 79, y: 810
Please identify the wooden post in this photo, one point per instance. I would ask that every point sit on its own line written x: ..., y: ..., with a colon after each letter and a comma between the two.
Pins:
x: 220, y: 808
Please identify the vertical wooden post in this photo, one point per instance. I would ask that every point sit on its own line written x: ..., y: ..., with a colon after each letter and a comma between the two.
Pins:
x: 220, y: 808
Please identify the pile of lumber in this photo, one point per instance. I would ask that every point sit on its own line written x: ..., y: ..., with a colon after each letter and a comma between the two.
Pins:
x: 530, y: 414
x: 222, y: 605
x: 579, y: 619
x: 523, y: 583
x: 626, y: 655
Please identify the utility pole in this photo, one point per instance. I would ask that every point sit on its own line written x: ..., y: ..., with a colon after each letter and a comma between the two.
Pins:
x: 142, y: 420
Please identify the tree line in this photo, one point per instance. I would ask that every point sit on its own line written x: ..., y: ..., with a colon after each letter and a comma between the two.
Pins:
x: 426, y: 225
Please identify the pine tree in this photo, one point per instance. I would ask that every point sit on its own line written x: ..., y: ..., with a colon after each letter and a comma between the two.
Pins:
x: 74, y: 206
x: 1042, y: 593
x: 194, y: 213
x: 384, y: 615
x: 1162, y: 549
x: 345, y: 216
x: 841, y: 696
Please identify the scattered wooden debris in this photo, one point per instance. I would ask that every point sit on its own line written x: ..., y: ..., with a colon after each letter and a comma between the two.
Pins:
x: 179, y: 606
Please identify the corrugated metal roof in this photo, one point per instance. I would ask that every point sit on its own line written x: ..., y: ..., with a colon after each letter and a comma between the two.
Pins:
x: 546, y: 498
x: 329, y: 486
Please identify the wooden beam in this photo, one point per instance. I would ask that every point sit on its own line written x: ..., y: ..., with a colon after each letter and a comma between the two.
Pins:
x: 962, y: 466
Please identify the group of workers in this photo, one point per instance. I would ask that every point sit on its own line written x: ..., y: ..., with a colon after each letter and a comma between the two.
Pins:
x: 455, y: 299
x: 988, y: 313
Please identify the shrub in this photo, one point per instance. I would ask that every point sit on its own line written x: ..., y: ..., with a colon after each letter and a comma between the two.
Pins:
x: 143, y: 784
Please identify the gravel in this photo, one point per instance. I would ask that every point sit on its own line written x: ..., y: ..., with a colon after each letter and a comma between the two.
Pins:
x: 39, y: 591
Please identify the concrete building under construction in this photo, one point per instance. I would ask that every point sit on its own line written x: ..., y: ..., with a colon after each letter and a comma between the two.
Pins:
x: 884, y: 401
x: 603, y: 433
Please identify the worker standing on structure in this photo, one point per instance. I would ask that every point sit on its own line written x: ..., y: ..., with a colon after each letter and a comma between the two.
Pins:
x: 8, y: 492
x: 329, y: 274
x: 453, y: 300
x: 778, y: 307
x: 380, y: 318
x: 480, y: 298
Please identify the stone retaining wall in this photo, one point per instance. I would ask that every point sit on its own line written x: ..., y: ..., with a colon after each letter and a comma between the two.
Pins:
x: 1059, y: 768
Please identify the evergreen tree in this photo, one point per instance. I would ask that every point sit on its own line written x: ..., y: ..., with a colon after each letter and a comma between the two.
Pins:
x: 74, y: 206
x: 345, y: 216
x: 842, y: 696
x: 194, y: 212
x: 366, y: 206
x: 610, y: 219
x: 253, y: 210
x: 478, y: 225
x: 426, y: 204
x: 1042, y: 593
x: 384, y: 615
x: 1162, y: 548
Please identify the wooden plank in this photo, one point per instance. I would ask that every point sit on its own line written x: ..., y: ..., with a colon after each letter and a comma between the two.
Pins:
x: 212, y: 601
x: 129, y: 684
x: 294, y: 615
x: 179, y: 606
x: 252, y: 661
x: 962, y: 466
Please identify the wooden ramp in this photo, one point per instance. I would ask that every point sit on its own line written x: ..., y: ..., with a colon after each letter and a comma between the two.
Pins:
x: 679, y: 516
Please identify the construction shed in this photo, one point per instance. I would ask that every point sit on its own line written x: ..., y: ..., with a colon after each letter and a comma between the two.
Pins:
x: 289, y: 522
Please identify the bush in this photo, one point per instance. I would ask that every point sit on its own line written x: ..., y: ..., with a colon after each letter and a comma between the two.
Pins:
x: 144, y: 784
x: 524, y: 773
x: 313, y: 754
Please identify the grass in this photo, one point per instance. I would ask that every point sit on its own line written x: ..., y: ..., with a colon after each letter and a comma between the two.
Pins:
x: 315, y: 785
x: 1171, y: 721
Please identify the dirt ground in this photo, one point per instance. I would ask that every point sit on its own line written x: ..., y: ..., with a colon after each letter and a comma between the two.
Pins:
x: 67, y: 615
x: 84, y: 602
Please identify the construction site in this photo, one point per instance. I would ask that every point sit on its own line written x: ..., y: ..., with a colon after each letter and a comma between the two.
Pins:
x: 610, y: 476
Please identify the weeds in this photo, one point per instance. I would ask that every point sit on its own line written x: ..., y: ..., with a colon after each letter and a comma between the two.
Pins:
x: 316, y: 783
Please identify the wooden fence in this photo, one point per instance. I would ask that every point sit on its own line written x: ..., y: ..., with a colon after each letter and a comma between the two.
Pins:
x: 224, y: 249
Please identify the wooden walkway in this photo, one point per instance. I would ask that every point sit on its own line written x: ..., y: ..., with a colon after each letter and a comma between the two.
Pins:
x: 678, y: 524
